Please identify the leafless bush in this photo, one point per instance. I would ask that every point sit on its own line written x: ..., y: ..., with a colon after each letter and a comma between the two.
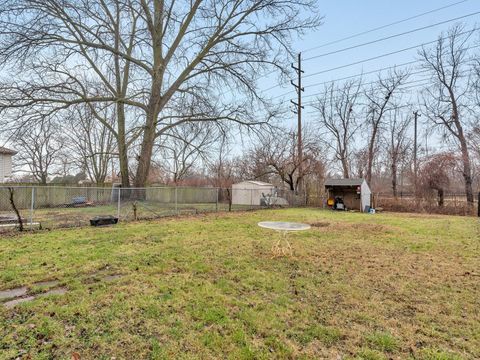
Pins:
x: 424, y: 206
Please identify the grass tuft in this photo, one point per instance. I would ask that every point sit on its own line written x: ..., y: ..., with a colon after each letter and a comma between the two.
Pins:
x: 382, y: 341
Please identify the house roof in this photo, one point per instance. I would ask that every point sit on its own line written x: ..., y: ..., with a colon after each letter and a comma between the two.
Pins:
x: 5, y: 151
x: 254, y: 182
x: 343, y: 182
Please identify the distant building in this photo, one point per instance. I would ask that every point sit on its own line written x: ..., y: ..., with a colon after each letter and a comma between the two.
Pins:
x: 5, y: 163
x: 354, y: 193
x: 250, y: 192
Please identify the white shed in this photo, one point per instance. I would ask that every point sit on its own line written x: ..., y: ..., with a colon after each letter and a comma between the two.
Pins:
x: 5, y: 163
x: 250, y: 192
x: 355, y: 193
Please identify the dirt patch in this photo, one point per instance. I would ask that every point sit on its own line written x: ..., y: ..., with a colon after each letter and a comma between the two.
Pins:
x: 366, y: 228
x: 319, y: 224
x: 112, y: 277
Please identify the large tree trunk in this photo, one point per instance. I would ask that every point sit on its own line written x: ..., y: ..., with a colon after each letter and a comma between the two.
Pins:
x: 467, y: 172
x: 467, y: 168
x: 371, y: 147
x: 290, y: 182
x: 146, y: 151
x: 43, y: 179
x: 122, y: 146
x: 150, y: 129
x: 441, y: 197
x: 346, y: 173
x: 394, y: 180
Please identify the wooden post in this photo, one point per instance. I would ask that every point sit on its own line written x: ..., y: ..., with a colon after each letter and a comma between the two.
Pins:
x: 478, y: 204
x: 415, y: 147
x: 298, y: 110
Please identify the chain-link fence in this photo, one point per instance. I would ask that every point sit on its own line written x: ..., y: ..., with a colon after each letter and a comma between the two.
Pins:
x: 448, y: 203
x: 60, y: 206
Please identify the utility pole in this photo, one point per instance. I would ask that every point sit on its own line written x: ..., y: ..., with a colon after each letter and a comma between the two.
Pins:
x: 415, y: 169
x: 298, y: 110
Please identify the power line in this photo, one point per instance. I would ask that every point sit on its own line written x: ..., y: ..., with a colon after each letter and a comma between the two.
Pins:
x: 385, y: 26
x: 353, y: 76
x: 361, y: 61
x: 386, y: 54
x: 360, y: 74
x: 392, y: 36
x: 369, y: 31
x: 413, y: 84
x: 372, y: 30
x: 365, y: 84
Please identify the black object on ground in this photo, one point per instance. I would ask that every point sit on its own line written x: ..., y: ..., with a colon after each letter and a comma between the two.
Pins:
x: 339, y: 204
x: 104, y: 220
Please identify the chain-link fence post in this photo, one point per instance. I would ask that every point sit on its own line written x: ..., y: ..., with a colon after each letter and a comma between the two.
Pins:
x: 216, y: 200
x: 119, y: 202
x: 32, y: 207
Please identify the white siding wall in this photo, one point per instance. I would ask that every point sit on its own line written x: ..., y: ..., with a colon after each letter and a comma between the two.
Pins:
x: 365, y: 195
x: 5, y: 166
x: 246, y: 193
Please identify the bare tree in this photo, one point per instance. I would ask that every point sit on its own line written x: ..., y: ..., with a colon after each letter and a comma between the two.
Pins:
x: 60, y: 52
x: 91, y: 143
x: 160, y: 63
x: 336, y: 112
x: 475, y: 133
x: 398, y: 144
x: 436, y: 174
x: 359, y: 162
x: 379, y: 102
x: 447, y: 98
x: 38, y: 149
x: 475, y: 140
x: 276, y: 154
x: 224, y: 171
x: 186, y: 147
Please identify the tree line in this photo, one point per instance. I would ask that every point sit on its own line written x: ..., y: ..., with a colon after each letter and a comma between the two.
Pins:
x: 138, y: 69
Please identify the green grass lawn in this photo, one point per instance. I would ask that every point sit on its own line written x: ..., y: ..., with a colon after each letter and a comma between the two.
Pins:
x: 384, y: 286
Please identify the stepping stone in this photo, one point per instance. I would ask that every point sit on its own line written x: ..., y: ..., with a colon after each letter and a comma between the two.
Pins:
x: 10, y: 304
x: 13, y: 293
x: 58, y: 291
x: 112, y: 277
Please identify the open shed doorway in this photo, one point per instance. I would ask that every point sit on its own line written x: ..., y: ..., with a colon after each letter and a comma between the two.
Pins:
x: 355, y: 194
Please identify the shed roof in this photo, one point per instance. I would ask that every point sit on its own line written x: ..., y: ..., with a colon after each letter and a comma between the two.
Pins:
x: 254, y: 182
x: 5, y: 151
x: 344, y: 182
